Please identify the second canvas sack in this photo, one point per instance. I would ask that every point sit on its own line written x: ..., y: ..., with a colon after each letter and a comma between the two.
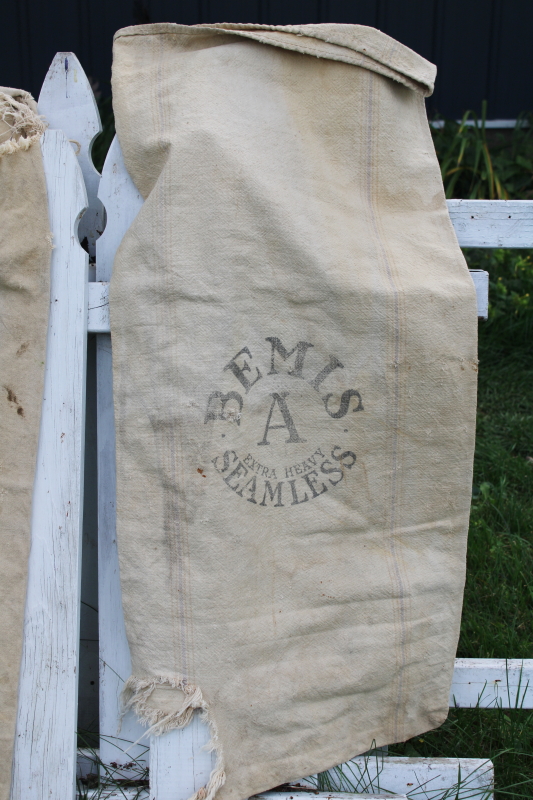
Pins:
x: 294, y: 346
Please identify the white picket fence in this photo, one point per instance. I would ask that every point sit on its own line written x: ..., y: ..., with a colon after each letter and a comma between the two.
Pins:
x: 45, y: 752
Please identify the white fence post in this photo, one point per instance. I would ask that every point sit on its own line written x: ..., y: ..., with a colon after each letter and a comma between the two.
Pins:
x: 67, y: 101
x: 179, y: 765
x: 45, y: 746
x: 122, y: 202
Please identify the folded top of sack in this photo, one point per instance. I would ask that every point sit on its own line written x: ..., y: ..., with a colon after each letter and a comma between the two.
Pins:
x: 354, y: 44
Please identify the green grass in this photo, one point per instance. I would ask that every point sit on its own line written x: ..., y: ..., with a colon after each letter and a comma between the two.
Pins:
x: 106, y: 779
x: 497, y: 617
x: 477, y: 163
x: 366, y: 775
x: 498, y: 606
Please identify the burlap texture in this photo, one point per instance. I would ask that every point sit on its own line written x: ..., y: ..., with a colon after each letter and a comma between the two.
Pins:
x: 25, y: 246
x: 294, y: 345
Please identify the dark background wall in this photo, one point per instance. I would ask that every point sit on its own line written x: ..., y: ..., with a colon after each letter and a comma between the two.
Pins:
x: 483, y: 48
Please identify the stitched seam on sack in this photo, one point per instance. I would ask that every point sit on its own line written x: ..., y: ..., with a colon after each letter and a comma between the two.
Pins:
x: 390, y: 278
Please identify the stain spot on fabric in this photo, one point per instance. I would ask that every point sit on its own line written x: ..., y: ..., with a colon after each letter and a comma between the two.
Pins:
x: 22, y: 349
x: 12, y: 398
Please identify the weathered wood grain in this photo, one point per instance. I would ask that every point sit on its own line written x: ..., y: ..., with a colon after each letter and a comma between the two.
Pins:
x: 178, y: 764
x: 67, y: 101
x: 430, y: 778
x: 122, y: 203
x: 45, y: 745
x: 492, y: 223
x: 481, y: 282
x: 98, y: 303
x: 132, y: 794
x: 491, y: 682
x: 98, y: 307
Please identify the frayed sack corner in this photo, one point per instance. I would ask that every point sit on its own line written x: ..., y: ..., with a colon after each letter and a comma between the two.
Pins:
x: 137, y: 695
x: 20, y: 124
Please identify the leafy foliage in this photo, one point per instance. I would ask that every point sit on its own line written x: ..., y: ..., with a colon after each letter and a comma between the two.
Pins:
x: 498, y: 606
x: 484, y: 165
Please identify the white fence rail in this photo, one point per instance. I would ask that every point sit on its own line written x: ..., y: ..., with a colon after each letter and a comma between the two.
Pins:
x: 492, y: 223
x: 98, y: 305
x: 44, y: 758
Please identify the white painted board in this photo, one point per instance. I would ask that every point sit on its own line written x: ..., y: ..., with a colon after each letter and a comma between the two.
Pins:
x: 67, y: 101
x: 427, y: 778
x: 45, y: 745
x: 122, y: 203
x: 98, y: 306
x: 133, y: 794
x: 488, y: 682
x: 481, y: 283
x: 380, y: 777
x: 492, y: 223
x: 179, y: 765
x: 98, y: 303
x: 306, y: 795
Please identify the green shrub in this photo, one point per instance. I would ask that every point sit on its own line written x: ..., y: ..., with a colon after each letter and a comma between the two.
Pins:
x: 481, y: 164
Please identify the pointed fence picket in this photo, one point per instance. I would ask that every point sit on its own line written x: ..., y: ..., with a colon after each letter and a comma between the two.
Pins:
x: 44, y: 764
x: 67, y: 101
x: 45, y: 745
x: 122, y: 202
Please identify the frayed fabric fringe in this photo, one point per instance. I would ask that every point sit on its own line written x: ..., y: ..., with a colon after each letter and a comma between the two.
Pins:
x: 136, y: 695
x: 24, y: 125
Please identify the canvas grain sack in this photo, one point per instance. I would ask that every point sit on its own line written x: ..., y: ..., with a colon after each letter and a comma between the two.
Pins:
x: 294, y: 351
x: 25, y: 247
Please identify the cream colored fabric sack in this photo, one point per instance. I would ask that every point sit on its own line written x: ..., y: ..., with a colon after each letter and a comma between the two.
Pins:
x: 294, y: 345
x: 25, y: 246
